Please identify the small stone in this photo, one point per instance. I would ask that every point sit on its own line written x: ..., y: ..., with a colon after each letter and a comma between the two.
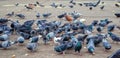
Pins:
x: 93, y: 53
x: 52, y: 54
x: 26, y: 54
x: 13, y: 56
x: 85, y: 47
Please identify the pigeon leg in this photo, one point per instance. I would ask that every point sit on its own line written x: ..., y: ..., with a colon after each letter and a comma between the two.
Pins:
x: 4, y: 48
x: 63, y: 52
x: 80, y: 54
x: 75, y: 53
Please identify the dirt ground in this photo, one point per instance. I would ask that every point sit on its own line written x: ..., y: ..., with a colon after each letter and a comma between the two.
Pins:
x: 47, y: 51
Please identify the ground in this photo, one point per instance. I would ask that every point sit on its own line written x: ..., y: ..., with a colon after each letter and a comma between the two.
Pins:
x: 47, y: 51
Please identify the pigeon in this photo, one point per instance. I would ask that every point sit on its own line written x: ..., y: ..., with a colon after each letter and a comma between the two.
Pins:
x: 74, y: 3
x: 61, y: 15
x: 95, y: 22
x: 73, y: 39
x: 59, y: 30
x: 69, y: 45
x: 4, y: 20
x: 98, y: 39
x: 91, y: 8
x: 33, y: 33
x: 75, y: 15
x: 54, y: 5
x: 10, y: 14
x: 15, y: 25
x: 65, y: 37
x: 100, y: 29
x: 71, y: 1
x: 116, y: 54
x: 46, y: 15
x: 2, y: 28
x: 37, y: 3
x: 71, y: 6
x: 86, y: 32
x: 4, y: 37
x: 41, y: 22
x: 41, y: 5
x: 61, y: 5
x: 110, y: 28
x: 78, y: 46
x: 90, y: 28
x: 45, y: 40
x: 92, y: 4
x: 95, y: 38
x: 8, y: 32
x: 29, y: 23
x: 82, y: 26
x: 50, y: 35
x: 34, y: 39
x: 29, y: 8
x: 25, y: 35
x: 104, y: 22
x: 22, y: 16
x: 117, y: 5
x: 102, y: 7
x: 80, y: 4
x: 1, y: 31
x: 82, y: 37
x: 114, y: 37
x: 117, y: 15
x: 32, y: 47
x: 74, y: 27
x: 20, y: 40
x: 61, y: 48
x: 6, y: 44
x: 106, y: 44
x: 96, y: 4
x: 38, y: 15
x: 91, y: 47
x: 25, y: 29
x: 16, y: 4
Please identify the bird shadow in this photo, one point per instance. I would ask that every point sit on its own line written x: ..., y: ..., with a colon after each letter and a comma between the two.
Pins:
x: 8, y: 49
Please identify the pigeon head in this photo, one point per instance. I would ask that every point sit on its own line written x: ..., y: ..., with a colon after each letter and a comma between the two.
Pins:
x: 91, y: 50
